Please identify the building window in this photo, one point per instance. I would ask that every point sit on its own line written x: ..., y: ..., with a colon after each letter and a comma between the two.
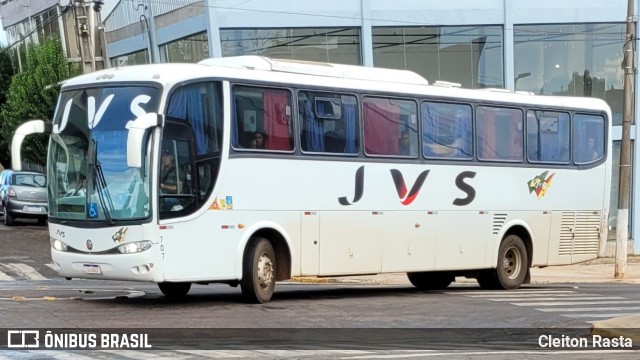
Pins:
x: 190, y: 49
x: 571, y: 60
x: 469, y: 55
x: 335, y: 45
x: 136, y: 58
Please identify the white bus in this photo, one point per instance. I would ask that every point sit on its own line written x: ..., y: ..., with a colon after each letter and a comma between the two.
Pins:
x: 249, y: 170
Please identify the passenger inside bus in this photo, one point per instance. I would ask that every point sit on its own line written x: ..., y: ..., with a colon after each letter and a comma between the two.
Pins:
x: 168, y: 175
x: 259, y: 140
x: 404, y: 146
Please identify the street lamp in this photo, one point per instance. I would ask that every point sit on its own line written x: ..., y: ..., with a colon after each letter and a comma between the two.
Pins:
x: 520, y: 76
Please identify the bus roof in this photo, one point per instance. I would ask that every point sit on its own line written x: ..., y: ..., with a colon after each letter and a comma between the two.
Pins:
x: 261, y: 63
x: 341, y: 78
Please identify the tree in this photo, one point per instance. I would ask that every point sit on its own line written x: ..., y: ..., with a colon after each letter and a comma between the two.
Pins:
x: 33, y: 95
x: 6, y: 72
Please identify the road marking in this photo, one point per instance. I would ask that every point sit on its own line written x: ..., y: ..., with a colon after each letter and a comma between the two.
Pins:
x: 52, y: 266
x: 26, y: 271
x: 147, y: 354
x: 515, y: 296
x: 5, y: 277
x: 563, y: 299
x: 619, y: 308
x: 453, y: 353
x: 61, y: 355
x: 216, y: 354
x: 564, y: 303
x: 514, y: 292
x: 610, y: 315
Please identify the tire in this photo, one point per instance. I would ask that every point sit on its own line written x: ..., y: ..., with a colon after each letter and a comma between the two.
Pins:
x: 8, y: 218
x: 511, y: 269
x: 174, y: 290
x: 258, y: 272
x: 430, y: 280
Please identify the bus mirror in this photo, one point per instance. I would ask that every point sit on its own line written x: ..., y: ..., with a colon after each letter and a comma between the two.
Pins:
x: 28, y: 128
x: 137, y: 129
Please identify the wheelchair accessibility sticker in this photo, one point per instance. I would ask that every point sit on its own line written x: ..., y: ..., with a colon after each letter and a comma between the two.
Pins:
x: 92, y: 210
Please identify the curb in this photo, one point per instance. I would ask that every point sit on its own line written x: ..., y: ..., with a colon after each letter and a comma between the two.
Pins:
x: 625, y: 326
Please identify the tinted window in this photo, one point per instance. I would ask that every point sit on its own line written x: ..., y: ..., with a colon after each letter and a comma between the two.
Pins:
x: 262, y: 119
x: 548, y: 136
x: 499, y: 133
x: 328, y: 122
x: 588, y: 138
x: 390, y: 127
x: 447, y: 131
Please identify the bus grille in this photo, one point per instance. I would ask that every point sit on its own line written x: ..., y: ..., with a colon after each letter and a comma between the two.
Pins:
x: 580, y: 233
x: 498, y: 221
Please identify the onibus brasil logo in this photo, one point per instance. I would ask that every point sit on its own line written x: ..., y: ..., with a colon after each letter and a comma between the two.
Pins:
x: 540, y: 184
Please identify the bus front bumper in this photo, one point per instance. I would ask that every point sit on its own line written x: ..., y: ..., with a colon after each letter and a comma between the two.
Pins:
x: 143, y: 266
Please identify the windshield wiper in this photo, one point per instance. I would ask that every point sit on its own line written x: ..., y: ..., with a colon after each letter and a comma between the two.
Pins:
x: 100, y: 182
x: 103, y: 192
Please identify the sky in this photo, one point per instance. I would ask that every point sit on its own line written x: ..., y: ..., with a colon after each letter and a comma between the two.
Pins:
x: 106, y: 9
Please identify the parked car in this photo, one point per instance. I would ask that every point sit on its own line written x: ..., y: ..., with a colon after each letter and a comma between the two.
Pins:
x: 23, y: 194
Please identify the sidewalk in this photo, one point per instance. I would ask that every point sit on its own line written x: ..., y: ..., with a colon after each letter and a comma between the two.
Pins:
x: 596, y: 271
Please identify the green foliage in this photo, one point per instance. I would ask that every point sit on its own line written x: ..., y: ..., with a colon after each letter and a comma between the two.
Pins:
x: 6, y: 72
x: 33, y: 95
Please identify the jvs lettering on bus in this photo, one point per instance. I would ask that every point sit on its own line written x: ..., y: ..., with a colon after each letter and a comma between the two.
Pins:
x: 407, y: 197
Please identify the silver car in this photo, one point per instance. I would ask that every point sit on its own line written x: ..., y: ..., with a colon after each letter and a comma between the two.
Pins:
x: 23, y: 194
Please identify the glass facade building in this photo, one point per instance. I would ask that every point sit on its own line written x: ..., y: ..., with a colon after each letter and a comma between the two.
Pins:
x: 568, y: 48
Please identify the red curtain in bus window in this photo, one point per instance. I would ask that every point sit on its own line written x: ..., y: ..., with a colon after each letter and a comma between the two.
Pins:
x: 515, y: 148
x: 489, y: 142
x: 276, y: 123
x: 381, y: 121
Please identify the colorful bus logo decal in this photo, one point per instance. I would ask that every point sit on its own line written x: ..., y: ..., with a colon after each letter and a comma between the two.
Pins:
x: 540, y: 184
x: 120, y: 235
x: 225, y: 203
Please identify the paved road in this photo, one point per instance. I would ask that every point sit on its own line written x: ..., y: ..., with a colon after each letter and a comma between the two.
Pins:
x: 33, y: 296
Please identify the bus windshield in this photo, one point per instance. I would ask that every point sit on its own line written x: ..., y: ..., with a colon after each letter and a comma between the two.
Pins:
x: 87, y: 162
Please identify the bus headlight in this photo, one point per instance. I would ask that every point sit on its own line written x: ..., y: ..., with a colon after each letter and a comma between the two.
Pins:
x: 134, y: 247
x: 58, y: 245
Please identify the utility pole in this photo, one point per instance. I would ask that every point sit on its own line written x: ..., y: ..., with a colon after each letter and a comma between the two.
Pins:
x: 622, y: 221
x: 89, y: 36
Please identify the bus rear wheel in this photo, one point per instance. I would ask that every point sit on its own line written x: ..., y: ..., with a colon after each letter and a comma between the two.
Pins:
x: 430, y: 280
x: 512, y: 266
x: 259, y: 272
x: 174, y: 290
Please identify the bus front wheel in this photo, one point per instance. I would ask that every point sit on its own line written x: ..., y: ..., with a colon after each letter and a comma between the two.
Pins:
x: 174, y: 290
x: 511, y: 269
x: 259, y: 272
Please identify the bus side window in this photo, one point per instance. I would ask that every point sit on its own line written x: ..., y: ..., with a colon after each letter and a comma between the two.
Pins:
x: 548, y: 136
x: 386, y: 123
x: 499, y: 134
x: 262, y: 119
x: 447, y: 130
x: 328, y: 122
x: 588, y: 138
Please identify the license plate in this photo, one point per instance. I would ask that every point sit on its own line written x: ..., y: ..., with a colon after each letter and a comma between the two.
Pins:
x: 34, y: 208
x: 92, y: 269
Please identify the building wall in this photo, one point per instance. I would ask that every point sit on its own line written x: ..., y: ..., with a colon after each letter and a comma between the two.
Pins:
x: 224, y: 21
